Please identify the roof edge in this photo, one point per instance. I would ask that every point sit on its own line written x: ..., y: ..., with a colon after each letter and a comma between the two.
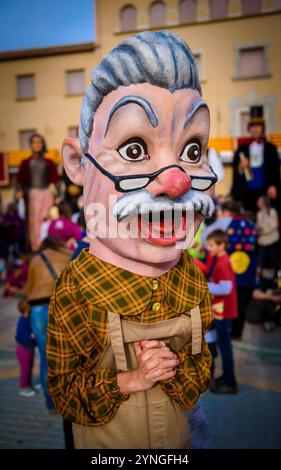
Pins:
x: 47, y: 51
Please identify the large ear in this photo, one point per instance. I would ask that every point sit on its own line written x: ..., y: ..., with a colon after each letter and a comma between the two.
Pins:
x: 71, y: 155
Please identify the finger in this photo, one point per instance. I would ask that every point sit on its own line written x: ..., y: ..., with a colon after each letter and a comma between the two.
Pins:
x: 138, y: 348
x: 162, y: 353
x: 155, y: 376
x: 158, y: 363
x: 167, y: 375
x: 153, y: 343
x: 150, y: 344
x: 152, y: 374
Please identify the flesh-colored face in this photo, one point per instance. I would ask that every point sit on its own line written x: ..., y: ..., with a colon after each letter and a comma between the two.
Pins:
x: 256, y: 131
x: 137, y: 139
x: 214, y: 248
x: 36, y: 144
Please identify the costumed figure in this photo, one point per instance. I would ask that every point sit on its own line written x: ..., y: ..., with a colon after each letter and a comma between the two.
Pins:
x: 35, y: 176
x: 126, y: 351
x: 256, y: 166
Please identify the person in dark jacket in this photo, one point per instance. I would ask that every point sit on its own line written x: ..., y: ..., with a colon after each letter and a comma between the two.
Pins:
x: 256, y: 167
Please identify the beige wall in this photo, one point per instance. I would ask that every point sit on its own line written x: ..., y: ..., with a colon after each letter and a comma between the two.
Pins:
x: 217, y: 41
x: 52, y: 112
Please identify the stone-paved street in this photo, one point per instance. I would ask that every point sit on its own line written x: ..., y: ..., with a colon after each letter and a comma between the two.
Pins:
x: 250, y: 419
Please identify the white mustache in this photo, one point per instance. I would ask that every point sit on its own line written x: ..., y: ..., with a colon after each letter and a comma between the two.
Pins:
x: 142, y: 202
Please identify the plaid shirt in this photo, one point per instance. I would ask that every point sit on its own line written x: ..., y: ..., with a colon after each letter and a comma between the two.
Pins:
x: 85, y: 291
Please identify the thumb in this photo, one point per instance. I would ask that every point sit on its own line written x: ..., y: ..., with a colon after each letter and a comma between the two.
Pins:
x: 138, y: 348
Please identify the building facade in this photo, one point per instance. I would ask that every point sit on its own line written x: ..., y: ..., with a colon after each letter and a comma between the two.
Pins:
x: 236, y: 44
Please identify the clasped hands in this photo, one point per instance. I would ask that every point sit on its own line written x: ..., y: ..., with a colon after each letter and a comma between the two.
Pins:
x: 155, y: 362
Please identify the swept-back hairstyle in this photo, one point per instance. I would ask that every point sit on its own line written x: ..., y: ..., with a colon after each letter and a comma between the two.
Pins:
x: 159, y: 58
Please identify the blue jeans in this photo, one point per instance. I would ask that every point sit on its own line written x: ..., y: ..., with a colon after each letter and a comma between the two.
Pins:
x: 38, y: 324
x: 223, y: 328
x: 199, y: 428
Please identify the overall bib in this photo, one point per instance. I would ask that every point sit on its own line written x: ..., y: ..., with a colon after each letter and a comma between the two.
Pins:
x: 148, y: 419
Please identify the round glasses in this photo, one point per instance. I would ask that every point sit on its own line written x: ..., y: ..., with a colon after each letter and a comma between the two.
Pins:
x: 127, y: 183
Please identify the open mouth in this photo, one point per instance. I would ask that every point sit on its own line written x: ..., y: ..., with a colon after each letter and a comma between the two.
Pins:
x: 163, y: 228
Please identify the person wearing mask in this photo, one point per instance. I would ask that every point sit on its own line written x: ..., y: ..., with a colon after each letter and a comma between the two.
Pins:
x: 36, y: 175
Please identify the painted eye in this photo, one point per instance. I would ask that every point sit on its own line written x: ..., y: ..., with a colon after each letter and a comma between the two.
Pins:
x: 191, y: 153
x: 133, y: 151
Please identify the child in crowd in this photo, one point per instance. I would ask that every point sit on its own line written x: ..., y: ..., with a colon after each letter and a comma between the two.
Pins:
x: 64, y: 229
x: 222, y: 287
x: 25, y: 350
x: 16, y: 277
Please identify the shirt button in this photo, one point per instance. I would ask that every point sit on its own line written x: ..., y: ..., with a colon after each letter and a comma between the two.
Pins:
x: 155, y: 285
x: 156, y: 307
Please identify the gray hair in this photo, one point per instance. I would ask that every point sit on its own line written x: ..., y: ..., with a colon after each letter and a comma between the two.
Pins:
x: 159, y: 58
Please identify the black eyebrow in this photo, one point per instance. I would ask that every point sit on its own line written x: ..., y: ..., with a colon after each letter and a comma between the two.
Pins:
x: 145, y: 105
x: 194, y: 108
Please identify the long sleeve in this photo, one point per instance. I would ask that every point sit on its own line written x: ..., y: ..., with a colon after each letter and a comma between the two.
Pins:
x: 272, y: 166
x: 81, y: 394
x: 267, y: 222
x: 221, y: 288
x: 23, y: 333
x: 193, y: 374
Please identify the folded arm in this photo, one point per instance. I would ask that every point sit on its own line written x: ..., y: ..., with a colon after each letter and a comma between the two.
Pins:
x: 81, y: 394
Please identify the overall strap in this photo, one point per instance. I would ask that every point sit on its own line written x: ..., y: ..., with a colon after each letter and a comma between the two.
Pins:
x: 196, y: 326
x: 116, y: 338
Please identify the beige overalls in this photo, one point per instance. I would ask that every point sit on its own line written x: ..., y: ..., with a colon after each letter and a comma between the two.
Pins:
x: 148, y: 419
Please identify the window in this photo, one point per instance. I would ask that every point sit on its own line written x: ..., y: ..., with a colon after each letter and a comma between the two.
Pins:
x: 218, y: 9
x: 128, y: 18
x: 75, y: 82
x: 244, y: 120
x: 73, y: 132
x: 187, y: 11
x: 24, y: 138
x: 25, y: 87
x: 251, y: 7
x: 252, y: 62
x: 157, y: 14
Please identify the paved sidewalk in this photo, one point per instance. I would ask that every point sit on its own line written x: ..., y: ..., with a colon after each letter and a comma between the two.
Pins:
x: 250, y: 419
x: 25, y: 423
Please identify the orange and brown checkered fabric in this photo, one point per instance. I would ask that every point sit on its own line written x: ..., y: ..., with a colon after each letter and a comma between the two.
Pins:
x: 85, y: 291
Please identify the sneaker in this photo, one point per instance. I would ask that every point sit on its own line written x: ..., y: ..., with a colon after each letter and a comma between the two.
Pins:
x: 37, y: 386
x: 219, y: 379
x: 221, y: 387
x: 27, y: 392
x: 269, y: 326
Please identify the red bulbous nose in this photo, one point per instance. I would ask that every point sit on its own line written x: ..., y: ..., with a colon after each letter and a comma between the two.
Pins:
x: 172, y: 183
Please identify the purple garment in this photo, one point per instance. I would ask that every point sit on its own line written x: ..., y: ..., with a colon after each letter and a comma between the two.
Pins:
x: 16, y: 277
x: 65, y: 229
x: 25, y: 357
x: 14, y: 227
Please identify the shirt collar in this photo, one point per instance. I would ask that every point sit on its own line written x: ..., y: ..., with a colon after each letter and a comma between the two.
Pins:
x: 115, y: 289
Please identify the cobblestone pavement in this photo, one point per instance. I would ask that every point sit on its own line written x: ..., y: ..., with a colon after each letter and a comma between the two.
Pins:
x: 250, y: 419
